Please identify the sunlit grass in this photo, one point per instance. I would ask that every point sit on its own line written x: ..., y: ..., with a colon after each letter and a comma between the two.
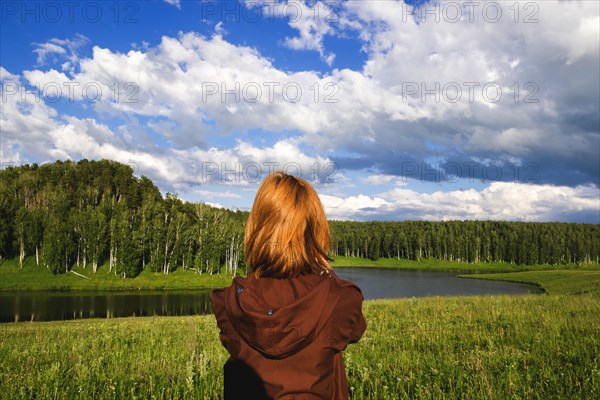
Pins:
x: 33, y: 277
x: 553, y: 282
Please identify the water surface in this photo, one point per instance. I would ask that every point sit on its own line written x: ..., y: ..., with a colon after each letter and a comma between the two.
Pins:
x: 382, y: 283
x: 51, y: 306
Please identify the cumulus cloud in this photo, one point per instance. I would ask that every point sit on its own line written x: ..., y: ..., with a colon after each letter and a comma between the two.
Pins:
x: 548, y: 79
x: 499, y: 201
x: 216, y: 205
x: 351, y: 207
x: 36, y: 131
x: 7, y: 76
x: 190, y: 81
x: 438, y: 99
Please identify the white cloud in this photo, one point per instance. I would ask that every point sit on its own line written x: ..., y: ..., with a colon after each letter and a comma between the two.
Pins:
x: 219, y: 29
x: 499, y: 201
x: 176, y: 3
x: 45, y: 49
x: 351, y: 207
x: 383, y: 179
x: 554, y: 67
x: 33, y: 130
x: 7, y: 76
x: 188, y: 81
x: 207, y: 194
x: 313, y: 21
x: 247, y: 164
x: 216, y: 205
x: 183, y: 83
x: 57, y: 49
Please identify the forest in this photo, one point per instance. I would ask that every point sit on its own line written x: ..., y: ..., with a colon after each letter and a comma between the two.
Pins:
x: 95, y: 213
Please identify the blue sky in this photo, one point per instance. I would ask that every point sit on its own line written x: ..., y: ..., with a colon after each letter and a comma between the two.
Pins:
x: 420, y: 110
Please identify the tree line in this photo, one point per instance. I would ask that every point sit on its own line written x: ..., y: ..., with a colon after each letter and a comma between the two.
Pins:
x: 92, y: 213
x: 471, y: 241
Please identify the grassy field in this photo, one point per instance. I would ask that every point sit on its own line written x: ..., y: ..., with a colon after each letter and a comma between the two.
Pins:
x: 493, y: 347
x: 488, y: 347
x: 33, y: 277
x: 561, y: 281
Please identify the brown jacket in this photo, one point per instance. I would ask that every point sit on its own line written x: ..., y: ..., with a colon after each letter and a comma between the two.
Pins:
x: 285, y: 336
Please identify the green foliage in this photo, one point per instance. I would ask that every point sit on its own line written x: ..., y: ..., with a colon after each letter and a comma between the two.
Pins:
x: 534, y: 347
x: 523, y: 243
x: 89, y: 212
x: 53, y: 251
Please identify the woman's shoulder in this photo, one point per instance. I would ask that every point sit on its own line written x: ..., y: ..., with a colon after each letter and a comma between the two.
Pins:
x: 347, y: 323
x: 348, y: 289
x: 343, y: 283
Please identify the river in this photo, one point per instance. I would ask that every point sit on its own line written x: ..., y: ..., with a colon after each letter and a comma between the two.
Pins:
x: 375, y: 283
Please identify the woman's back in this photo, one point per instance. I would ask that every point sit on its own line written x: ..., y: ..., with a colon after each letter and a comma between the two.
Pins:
x: 285, y: 336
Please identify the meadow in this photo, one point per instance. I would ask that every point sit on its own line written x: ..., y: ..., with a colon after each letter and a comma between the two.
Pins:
x: 553, y: 281
x: 495, y: 347
x: 488, y: 347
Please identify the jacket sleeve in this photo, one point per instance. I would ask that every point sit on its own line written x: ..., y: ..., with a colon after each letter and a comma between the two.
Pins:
x: 227, y: 334
x: 360, y: 326
x: 347, y: 323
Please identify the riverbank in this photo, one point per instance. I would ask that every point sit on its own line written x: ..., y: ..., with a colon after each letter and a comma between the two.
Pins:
x: 493, y: 347
x: 454, y: 266
x: 33, y: 277
x: 553, y: 282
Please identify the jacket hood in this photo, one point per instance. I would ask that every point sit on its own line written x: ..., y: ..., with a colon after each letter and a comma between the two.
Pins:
x: 279, y: 317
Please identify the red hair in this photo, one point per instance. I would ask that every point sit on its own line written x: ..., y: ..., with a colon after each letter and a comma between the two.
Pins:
x: 287, y: 232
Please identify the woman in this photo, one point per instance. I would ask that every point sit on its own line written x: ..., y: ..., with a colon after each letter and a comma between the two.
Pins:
x: 286, y: 324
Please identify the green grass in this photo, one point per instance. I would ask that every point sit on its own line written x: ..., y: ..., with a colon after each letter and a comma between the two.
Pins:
x: 452, y: 266
x: 553, y: 282
x: 489, y: 347
x: 492, y: 347
x: 33, y: 277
